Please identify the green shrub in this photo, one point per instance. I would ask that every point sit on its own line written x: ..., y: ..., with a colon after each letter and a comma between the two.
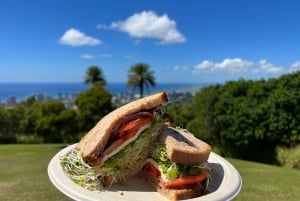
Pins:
x: 29, y: 139
x: 289, y: 156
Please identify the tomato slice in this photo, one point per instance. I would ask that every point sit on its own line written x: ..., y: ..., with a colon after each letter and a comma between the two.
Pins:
x: 130, y: 128
x: 186, y: 180
x: 151, y: 169
x: 126, y: 131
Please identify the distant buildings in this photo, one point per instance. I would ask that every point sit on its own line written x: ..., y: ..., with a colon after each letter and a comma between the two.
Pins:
x: 174, y: 96
x: 44, y: 97
x: 117, y: 99
x: 11, y: 101
x: 123, y: 98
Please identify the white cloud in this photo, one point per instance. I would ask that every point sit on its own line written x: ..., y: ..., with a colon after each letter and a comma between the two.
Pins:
x: 266, y: 67
x: 204, y: 66
x: 148, y: 24
x: 90, y: 56
x: 74, y: 37
x: 177, y: 68
x: 237, y: 66
x: 294, y: 67
x: 180, y: 68
x: 87, y: 56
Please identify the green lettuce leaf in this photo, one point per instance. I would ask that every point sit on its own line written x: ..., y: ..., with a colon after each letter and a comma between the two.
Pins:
x: 171, y: 170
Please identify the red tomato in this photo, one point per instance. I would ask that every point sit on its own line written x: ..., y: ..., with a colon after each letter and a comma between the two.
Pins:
x: 186, y: 180
x: 127, y: 130
x: 152, y: 170
x: 130, y: 128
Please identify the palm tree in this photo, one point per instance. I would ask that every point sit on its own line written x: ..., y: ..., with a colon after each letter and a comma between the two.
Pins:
x: 94, y: 74
x: 139, y: 76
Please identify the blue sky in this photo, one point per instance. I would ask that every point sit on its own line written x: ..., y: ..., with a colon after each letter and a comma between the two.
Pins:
x: 181, y: 40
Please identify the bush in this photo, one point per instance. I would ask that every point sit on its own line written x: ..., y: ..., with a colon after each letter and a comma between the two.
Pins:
x: 289, y: 157
x: 29, y: 139
x: 7, y: 139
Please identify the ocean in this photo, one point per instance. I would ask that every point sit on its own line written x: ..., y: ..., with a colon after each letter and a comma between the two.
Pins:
x: 22, y: 90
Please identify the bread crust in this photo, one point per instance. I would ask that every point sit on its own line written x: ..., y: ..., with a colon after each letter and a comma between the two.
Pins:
x: 94, y: 142
x: 174, y: 194
x: 183, y: 147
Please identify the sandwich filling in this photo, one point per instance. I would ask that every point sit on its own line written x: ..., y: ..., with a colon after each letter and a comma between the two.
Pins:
x: 126, y: 132
x: 175, y: 175
x: 120, y: 163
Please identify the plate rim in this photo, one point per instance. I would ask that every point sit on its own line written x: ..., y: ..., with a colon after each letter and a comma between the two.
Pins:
x: 65, y: 185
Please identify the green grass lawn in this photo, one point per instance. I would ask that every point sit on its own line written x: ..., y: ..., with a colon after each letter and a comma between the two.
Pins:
x: 267, y: 182
x: 23, y: 176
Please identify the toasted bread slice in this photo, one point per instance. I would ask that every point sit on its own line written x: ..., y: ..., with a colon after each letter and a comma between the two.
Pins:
x: 183, y: 147
x: 94, y: 142
x: 187, y: 192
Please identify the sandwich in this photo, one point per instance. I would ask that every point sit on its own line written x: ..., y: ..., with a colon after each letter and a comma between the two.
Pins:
x: 177, y: 167
x: 117, y: 146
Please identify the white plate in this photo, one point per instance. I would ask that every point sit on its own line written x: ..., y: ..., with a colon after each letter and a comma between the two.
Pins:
x: 224, y: 185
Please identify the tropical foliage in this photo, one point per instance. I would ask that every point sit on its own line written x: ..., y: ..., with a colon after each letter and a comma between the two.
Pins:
x: 47, y: 122
x: 245, y: 118
x: 140, y: 77
x: 52, y: 122
x: 93, y: 75
x: 92, y: 105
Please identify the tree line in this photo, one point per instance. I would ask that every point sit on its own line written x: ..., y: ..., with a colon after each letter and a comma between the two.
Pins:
x: 51, y: 122
x: 245, y: 119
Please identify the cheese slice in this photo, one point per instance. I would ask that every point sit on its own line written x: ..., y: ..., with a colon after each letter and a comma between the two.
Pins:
x: 128, y: 141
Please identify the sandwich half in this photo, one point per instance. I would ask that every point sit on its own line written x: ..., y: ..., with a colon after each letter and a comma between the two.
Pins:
x: 117, y: 146
x: 177, y: 167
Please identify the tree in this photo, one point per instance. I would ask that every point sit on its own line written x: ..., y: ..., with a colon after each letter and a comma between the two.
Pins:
x: 92, y: 105
x: 94, y: 74
x: 31, y: 115
x: 139, y: 76
x: 57, y: 123
x: 7, y: 134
